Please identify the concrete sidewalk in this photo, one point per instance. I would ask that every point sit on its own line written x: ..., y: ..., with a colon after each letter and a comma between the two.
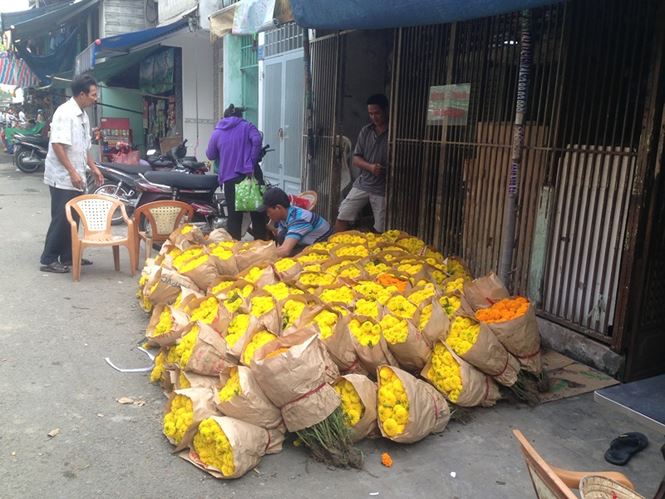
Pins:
x: 55, y: 334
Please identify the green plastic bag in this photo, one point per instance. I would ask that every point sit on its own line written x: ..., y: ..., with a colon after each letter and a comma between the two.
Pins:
x: 249, y: 195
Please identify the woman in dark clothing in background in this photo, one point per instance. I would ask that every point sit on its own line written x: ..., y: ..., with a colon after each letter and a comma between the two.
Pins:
x: 236, y: 143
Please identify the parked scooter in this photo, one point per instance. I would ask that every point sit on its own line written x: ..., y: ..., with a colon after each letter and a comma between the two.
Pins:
x: 30, y: 152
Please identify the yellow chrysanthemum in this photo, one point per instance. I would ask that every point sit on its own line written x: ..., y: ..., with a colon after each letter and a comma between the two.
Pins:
x: 419, y: 296
x: 284, y: 264
x: 179, y: 418
x: 180, y: 353
x: 326, y: 321
x: 351, y: 404
x: 158, y: 368
x: 213, y: 447
x: 450, y: 304
x: 394, y: 329
x: 392, y: 403
x: 445, y: 373
x: 165, y: 324
x: 369, y: 308
x: 463, y: 334
x: 258, y: 340
x: 237, y: 328
x: 366, y: 333
x: 260, y: 305
x: 425, y: 316
x: 291, y: 312
x: 232, y: 386
x: 455, y: 285
x: 401, y: 307
x: 207, y: 311
x: 337, y: 295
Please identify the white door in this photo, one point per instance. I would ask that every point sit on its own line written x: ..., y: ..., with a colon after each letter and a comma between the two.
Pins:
x: 283, y: 104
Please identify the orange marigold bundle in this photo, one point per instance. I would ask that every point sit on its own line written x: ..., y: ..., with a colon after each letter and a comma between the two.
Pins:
x: 504, y: 310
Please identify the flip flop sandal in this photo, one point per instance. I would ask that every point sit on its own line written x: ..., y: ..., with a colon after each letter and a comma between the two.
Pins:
x: 624, y: 447
x: 55, y: 267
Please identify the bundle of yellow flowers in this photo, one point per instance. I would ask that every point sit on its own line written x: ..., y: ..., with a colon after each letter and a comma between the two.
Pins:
x: 369, y: 344
x: 312, y: 267
x: 312, y: 257
x: 224, y: 257
x: 406, y: 343
x: 326, y: 321
x: 251, y: 252
x: 196, y: 264
x: 232, y: 386
x: 393, y: 403
x: 354, y: 251
x: 178, y: 419
x: 200, y: 350
x: 421, y: 293
x: 476, y: 344
x: 374, y: 291
x: 280, y: 290
x: 348, y: 237
x: 455, y: 284
x: 451, y: 304
x: 456, y: 268
x: 284, y: 264
x: 374, y: 268
x: 190, y: 259
x: 463, y: 334
x: 166, y: 325
x: 259, y: 275
x: 205, y: 310
x: 263, y: 309
x: 458, y: 380
x: 409, y: 409
x: 358, y: 394
x: 236, y: 329
x: 413, y: 245
x: 291, y: 312
x: 258, y: 340
x: 313, y: 280
x: 219, y: 289
x: 369, y: 308
x: 338, y: 294
x: 401, y: 307
x: 431, y: 320
x: 351, y: 404
x: 226, y: 447
x: 158, y: 367
x: 367, y: 333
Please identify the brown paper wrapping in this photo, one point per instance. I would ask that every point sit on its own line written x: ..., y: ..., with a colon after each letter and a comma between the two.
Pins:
x: 478, y: 389
x: 227, y: 266
x: 311, y: 302
x: 202, y: 406
x: 374, y: 356
x: 252, y: 406
x: 218, y: 236
x: 205, y: 274
x: 256, y: 251
x: 269, y: 321
x: 290, y: 274
x: 465, y: 307
x: 297, y: 380
x: 187, y: 296
x: 489, y: 356
x: 210, y: 355
x: 428, y: 410
x: 339, y: 344
x: 412, y: 355
x: 521, y: 337
x: 217, y: 322
x: 236, y: 350
x: 350, y: 305
x: 184, y: 241
x: 485, y: 291
x: 267, y: 275
x: 438, y: 325
x: 195, y: 380
x: 180, y: 321
x: 249, y: 443
x: 366, y: 388
x: 169, y: 283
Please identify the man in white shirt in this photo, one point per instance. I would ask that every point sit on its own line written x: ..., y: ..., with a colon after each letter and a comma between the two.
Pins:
x: 64, y: 171
x: 21, y: 116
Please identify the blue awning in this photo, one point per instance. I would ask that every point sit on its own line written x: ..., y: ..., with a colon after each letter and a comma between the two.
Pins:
x: 127, y: 43
x: 366, y: 14
x: 36, y: 22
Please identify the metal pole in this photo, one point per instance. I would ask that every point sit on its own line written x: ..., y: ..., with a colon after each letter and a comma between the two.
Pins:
x: 309, y: 109
x: 510, y: 212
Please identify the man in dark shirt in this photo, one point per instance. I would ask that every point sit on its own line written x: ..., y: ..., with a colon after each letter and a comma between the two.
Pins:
x: 371, y: 157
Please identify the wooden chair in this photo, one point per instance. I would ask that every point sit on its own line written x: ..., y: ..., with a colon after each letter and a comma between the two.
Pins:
x: 96, y: 213
x: 312, y: 197
x: 555, y: 483
x: 162, y: 218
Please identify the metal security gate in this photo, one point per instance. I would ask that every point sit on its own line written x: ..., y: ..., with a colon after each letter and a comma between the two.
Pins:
x: 324, y: 175
x: 586, y: 91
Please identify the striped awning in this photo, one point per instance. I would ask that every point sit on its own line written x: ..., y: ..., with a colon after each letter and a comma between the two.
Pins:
x: 14, y: 71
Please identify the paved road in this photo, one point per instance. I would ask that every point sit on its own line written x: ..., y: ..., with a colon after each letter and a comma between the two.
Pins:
x: 55, y: 333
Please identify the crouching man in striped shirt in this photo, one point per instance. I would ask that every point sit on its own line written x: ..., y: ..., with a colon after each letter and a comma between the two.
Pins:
x: 296, y: 227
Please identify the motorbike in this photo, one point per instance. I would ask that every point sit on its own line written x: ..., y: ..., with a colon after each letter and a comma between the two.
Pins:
x: 30, y: 152
x: 121, y: 180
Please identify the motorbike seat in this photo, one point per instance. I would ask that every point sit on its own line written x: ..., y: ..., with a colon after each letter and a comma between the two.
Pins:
x: 33, y: 139
x: 192, y: 164
x: 129, y: 169
x: 183, y: 180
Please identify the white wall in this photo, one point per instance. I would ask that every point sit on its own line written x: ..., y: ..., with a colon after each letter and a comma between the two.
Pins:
x: 197, y: 86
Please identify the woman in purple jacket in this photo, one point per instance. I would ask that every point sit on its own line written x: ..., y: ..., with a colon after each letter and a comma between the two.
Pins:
x: 236, y: 143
